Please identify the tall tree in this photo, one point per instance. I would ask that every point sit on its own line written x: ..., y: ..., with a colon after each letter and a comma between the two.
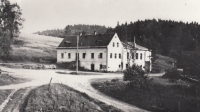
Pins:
x: 10, y: 24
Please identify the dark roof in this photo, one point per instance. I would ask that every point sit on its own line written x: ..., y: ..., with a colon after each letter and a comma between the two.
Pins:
x: 99, y: 40
x: 131, y: 45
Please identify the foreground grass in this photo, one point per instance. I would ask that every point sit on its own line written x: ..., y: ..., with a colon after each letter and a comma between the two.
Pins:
x: 14, y: 103
x: 59, y: 97
x: 160, y: 96
x: 6, y: 79
x: 3, y: 95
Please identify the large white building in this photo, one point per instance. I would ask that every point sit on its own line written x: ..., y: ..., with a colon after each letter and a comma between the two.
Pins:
x: 103, y: 52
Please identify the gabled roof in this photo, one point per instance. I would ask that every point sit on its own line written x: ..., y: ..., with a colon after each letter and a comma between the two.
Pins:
x: 88, y: 41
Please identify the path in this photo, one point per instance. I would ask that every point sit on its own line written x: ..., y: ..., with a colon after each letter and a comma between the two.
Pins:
x: 78, y: 82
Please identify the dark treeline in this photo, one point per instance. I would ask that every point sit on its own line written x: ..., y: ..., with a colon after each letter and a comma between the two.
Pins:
x: 73, y: 30
x: 53, y: 33
x: 164, y: 37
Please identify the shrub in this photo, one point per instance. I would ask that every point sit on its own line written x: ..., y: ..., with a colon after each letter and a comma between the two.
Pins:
x: 172, y: 74
x: 115, y: 80
x: 136, y: 76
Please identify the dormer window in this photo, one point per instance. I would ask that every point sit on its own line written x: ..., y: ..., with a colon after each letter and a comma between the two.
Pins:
x: 67, y: 43
x: 113, y: 44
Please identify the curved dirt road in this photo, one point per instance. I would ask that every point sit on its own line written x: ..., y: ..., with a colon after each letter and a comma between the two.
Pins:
x: 78, y: 82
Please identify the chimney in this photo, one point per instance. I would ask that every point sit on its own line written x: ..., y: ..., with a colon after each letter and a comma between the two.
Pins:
x: 117, y: 23
x: 95, y: 33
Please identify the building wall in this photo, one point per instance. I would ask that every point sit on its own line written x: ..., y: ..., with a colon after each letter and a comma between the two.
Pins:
x: 87, y: 61
x: 143, y: 56
x: 114, y: 64
x: 108, y: 63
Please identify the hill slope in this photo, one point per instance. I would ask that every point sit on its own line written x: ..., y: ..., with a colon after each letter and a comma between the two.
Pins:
x: 73, y: 30
x: 31, y: 47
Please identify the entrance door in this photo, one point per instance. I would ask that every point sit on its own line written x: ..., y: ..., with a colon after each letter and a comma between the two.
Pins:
x: 92, y: 67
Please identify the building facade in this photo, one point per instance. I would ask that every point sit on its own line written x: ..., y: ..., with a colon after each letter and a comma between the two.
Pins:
x: 103, y: 52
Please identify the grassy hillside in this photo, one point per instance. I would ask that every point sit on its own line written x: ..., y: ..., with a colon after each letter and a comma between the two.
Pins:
x: 162, y: 63
x: 31, y: 47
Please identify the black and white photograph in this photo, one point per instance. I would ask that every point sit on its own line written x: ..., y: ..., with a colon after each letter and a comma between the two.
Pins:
x: 99, y: 56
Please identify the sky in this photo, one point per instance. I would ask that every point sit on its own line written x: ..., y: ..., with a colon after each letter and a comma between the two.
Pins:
x: 41, y: 15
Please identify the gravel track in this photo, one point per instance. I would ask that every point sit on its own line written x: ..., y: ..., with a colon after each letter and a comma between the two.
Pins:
x: 78, y: 82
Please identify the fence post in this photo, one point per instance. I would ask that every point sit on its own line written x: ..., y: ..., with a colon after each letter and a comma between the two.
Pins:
x: 49, y: 84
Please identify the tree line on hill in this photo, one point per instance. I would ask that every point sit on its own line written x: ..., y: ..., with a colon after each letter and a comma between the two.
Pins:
x: 73, y: 30
x: 164, y: 37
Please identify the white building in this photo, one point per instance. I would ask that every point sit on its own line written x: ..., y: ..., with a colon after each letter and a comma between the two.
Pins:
x: 103, y: 52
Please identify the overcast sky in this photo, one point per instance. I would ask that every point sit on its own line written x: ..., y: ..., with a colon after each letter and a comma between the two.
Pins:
x: 50, y: 14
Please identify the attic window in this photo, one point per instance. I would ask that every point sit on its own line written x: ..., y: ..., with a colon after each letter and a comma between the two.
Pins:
x: 98, y: 41
x: 67, y: 43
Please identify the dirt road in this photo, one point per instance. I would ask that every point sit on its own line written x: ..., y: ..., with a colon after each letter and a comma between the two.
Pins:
x: 78, y: 82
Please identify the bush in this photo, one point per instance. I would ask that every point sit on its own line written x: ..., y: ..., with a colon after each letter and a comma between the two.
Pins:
x: 136, y: 76
x: 115, y: 80
x: 172, y: 74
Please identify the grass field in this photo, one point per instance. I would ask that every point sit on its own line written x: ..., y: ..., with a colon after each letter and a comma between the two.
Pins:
x: 6, y: 79
x: 162, y: 95
x: 32, y: 47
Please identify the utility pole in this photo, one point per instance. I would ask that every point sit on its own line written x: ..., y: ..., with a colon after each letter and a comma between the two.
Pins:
x: 77, y: 55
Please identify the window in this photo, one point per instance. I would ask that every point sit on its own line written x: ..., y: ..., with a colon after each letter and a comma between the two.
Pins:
x: 84, y: 55
x: 92, y: 55
x: 115, y: 55
x: 119, y: 56
x: 110, y: 55
x: 117, y: 44
x: 141, y: 56
x: 132, y: 55
x: 69, y: 55
x: 101, y: 66
x: 136, y: 55
x: 62, y: 55
x: 113, y: 44
x: 127, y: 55
x: 119, y: 66
x: 100, y: 55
